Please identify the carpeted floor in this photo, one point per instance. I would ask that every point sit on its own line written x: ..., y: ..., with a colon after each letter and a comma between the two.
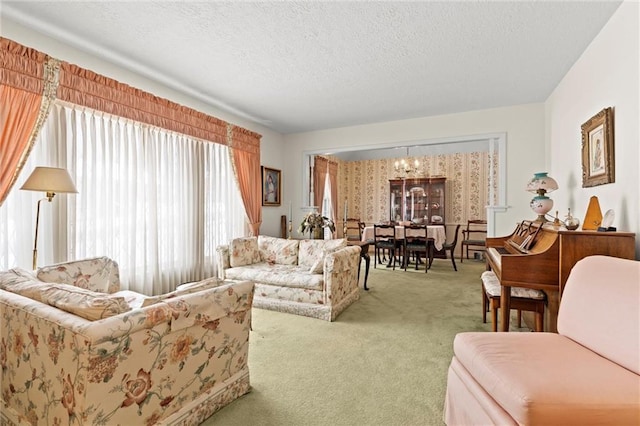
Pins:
x: 382, y: 362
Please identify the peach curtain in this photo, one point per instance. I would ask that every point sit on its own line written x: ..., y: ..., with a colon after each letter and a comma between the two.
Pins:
x: 320, y: 165
x: 333, y: 182
x: 245, y: 152
x: 22, y: 83
x: 22, y: 70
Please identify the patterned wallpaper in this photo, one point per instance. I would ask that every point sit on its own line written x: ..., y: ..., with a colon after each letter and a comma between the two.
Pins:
x: 365, y: 185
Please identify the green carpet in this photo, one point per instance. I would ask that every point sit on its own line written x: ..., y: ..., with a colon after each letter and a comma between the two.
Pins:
x: 382, y: 362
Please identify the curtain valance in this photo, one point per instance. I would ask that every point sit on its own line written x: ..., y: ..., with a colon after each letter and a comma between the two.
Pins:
x: 21, y: 67
x: 244, y: 140
x: 84, y: 87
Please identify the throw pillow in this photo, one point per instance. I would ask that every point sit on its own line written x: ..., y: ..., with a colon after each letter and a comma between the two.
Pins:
x: 244, y: 251
x: 318, y: 265
x: 278, y: 250
x: 99, y: 274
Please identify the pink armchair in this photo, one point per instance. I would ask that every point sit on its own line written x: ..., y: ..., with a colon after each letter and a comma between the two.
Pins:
x: 587, y: 374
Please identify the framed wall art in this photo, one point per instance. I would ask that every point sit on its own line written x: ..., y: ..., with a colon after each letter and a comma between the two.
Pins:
x: 271, y: 186
x: 598, y: 158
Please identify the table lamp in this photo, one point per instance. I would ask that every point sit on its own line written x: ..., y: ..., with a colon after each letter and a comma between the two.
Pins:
x: 541, y: 204
x: 50, y: 180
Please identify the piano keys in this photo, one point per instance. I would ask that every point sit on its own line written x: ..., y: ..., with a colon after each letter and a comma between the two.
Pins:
x: 540, y: 256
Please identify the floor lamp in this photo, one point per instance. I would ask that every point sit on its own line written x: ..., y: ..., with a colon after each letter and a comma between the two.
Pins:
x: 51, y: 180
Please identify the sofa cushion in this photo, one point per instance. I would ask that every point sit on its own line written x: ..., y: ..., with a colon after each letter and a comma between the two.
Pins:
x: 494, y: 289
x: 280, y: 275
x: 99, y: 274
x: 84, y: 303
x: 310, y: 250
x: 244, y: 251
x: 278, y: 250
x: 546, y: 378
x: 187, y: 288
x: 22, y: 282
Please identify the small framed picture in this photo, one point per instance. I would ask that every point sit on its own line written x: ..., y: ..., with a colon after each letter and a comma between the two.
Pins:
x: 271, y: 186
x: 598, y: 158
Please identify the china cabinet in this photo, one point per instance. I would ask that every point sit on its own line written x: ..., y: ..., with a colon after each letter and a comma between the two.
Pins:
x: 417, y: 199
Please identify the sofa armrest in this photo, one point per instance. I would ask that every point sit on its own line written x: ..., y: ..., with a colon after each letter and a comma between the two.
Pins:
x: 341, y: 273
x: 222, y: 260
x: 99, y: 274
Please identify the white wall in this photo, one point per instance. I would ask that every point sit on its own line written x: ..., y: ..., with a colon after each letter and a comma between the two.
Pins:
x: 523, y: 124
x: 272, y: 142
x: 606, y: 75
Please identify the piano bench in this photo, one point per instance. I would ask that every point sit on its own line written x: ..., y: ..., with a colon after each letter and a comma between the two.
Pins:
x: 522, y: 299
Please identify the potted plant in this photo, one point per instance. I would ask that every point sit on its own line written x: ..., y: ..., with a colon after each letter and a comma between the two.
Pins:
x: 313, y: 223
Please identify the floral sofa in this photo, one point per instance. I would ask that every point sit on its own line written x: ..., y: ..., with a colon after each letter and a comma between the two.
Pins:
x: 75, y: 350
x: 315, y: 278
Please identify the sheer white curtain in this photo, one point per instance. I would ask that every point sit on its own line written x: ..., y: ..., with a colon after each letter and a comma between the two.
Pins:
x: 156, y: 201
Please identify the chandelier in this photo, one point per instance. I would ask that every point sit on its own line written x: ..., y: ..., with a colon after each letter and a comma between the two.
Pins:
x: 406, y: 167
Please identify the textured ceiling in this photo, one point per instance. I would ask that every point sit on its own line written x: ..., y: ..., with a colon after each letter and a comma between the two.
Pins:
x: 300, y: 66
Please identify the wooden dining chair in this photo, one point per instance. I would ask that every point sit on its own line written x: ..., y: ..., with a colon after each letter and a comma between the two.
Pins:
x: 353, y: 228
x: 385, y: 238
x: 474, y: 237
x: 416, y: 243
x: 450, y: 247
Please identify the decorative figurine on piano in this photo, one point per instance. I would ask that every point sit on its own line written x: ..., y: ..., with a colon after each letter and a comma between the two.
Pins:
x: 607, y: 221
x: 571, y: 223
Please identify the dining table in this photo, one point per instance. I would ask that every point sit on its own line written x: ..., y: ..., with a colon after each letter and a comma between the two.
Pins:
x: 434, y: 232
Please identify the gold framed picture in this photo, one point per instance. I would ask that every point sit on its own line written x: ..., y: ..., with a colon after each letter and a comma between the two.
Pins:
x: 271, y: 186
x: 598, y: 159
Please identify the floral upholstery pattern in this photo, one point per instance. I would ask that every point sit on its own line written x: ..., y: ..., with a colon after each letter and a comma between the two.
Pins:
x: 278, y: 250
x: 244, y: 251
x: 174, y: 362
x: 311, y: 250
x: 85, y: 303
x: 99, y: 274
x: 294, y: 288
x: 281, y: 275
x: 492, y: 287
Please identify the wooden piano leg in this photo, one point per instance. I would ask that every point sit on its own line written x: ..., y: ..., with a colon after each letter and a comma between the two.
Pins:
x: 505, y: 307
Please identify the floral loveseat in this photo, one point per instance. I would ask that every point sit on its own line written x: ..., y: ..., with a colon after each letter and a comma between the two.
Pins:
x: 85, y: 353
x: 315, y: 278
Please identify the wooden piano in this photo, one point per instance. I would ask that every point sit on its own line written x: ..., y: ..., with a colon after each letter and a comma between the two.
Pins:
x: 540, y: 256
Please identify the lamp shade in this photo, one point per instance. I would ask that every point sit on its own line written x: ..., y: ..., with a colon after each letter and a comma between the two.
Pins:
x: 542, y: 181
x: 50, y: 179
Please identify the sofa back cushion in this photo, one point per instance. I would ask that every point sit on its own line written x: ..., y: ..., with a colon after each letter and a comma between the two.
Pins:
x: 22, y: 282
x: 99, y: 274
x: 84, y: 303
x: 244, y: 251
x: 278, y: 250
x: 600, y: 308
x: 183, y: 289
x: 312, y: 250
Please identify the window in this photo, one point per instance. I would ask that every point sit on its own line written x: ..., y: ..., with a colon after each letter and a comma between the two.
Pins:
x: 157, y: 202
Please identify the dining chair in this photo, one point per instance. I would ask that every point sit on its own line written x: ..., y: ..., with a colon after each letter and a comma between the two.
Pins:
x: 450, y: 246
x: 354, y: 228
x: 385, y: 238
x: 416, y: 243
x: 474, y: 237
